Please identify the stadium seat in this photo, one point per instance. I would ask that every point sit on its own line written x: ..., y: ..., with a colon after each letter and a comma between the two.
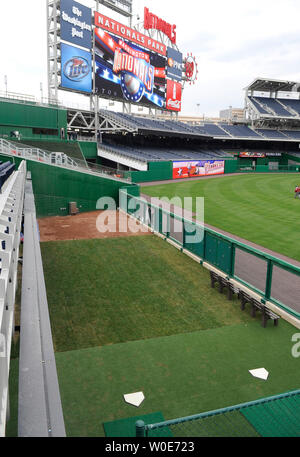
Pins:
x: 6, y: 169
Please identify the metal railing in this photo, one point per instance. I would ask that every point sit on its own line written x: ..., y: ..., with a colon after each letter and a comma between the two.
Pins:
x: 268, y: 169
x: 29, y: 100
x: 58, y: 159
x: 39, y: 408
x: 226, y: 422
x: 11, y: 209
x: 274, y: 280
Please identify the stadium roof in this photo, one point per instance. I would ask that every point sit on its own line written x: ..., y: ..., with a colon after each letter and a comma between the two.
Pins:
x: 273, y: 85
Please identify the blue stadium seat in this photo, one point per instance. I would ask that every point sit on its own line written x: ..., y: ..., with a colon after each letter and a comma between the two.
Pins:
x: 274, y: 106
x: 6, y: 169
x: 294, y: 134
x: 260, y: 109
x: 293, y: 104
x: 214, y: 130
x: 272, y: 134
x: 240, y: 131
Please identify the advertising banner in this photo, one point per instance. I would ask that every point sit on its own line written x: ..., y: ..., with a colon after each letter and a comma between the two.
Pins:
x: 192, y: 169
x: 252, y: 155
x: 174, y: 94
x: 76, y: 23
x: 174, y: 64
x: 127, y: 72
x: 76, y: 69
x: 112, y: 26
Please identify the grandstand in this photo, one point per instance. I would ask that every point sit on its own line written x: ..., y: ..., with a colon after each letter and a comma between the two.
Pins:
x: 275, y: 101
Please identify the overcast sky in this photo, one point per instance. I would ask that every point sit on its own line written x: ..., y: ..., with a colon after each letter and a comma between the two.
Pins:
x: 234, y: 42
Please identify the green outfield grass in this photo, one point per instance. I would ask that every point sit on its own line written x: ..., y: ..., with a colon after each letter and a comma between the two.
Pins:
x: 258, y: 208
x: 135, y: 314
x: 122, y: 289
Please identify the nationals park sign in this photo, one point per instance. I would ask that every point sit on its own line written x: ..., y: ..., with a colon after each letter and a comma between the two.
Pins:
x: 151, y: 21
x: 127, y: 33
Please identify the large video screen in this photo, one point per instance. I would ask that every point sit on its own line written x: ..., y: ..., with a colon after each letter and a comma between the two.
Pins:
x: 194, y: 168
x: 76, y: 69
x: 128, y: 72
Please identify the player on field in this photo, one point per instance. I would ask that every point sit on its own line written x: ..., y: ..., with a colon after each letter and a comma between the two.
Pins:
x: 297, y: 192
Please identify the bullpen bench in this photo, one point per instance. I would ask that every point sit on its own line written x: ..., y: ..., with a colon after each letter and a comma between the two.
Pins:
x: 258, y: 306
x: 224, y: 283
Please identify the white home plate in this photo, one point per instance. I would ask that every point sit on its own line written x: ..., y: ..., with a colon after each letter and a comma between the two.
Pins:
x: 135, y: 399
x: 260, y: 373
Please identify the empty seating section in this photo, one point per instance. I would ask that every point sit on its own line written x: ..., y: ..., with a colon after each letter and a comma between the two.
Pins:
x: 294, y: 134
x: 6, y: 169
x: 154, y: 154
x: 273, y: 106
x: 240, y: 131
x: 293, y: 104
x: 127, y: 151
x: 276, y: 107
x: 211, y: 130
x: 214, y: 130
x: 273, y: 134
x: 260, y: 109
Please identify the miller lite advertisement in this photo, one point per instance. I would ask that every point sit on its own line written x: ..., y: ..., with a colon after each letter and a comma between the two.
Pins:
x: 174, y: 93
x: 126, y: 71
x: 192, y: 169
x: 76, y: 69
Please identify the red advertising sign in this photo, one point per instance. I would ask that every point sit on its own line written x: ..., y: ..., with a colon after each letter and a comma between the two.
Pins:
x: 127, y: 33
x: 151, y: 21
x: 192, y: 169
x: 174, y: 93
x: 252, y: 155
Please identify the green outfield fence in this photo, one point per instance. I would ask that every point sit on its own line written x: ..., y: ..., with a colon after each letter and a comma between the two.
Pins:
x: 268, y: 169
x: 276, y: 416
x: 273, y: 279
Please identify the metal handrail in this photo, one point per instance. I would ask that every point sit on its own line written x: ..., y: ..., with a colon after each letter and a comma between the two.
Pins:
x: 270, y: 259
x: 149, y: 427
x: 11, y: 218
x: 51, y: 158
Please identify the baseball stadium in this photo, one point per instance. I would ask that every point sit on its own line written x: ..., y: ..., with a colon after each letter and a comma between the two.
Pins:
x: 150, y: 262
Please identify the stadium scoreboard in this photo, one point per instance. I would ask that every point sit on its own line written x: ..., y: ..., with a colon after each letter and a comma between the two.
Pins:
x: 101, y: 56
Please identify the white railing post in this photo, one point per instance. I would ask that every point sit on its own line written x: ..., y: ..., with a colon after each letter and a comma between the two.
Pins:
x: 11, y: 208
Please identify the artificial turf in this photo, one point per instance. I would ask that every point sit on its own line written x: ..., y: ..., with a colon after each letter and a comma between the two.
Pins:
x: 257, y: 207
x: 180, y: 375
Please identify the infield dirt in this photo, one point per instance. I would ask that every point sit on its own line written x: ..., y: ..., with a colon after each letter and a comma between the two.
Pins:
x: 85, y: 226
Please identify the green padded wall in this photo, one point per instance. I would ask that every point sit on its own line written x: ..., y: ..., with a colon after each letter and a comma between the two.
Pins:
x: 89, y: 150
x: 55, y: 187
x: 22, y: 117
x: 157, y: 171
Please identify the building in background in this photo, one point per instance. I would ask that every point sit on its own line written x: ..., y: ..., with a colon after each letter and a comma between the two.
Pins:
x: 233, y: 114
